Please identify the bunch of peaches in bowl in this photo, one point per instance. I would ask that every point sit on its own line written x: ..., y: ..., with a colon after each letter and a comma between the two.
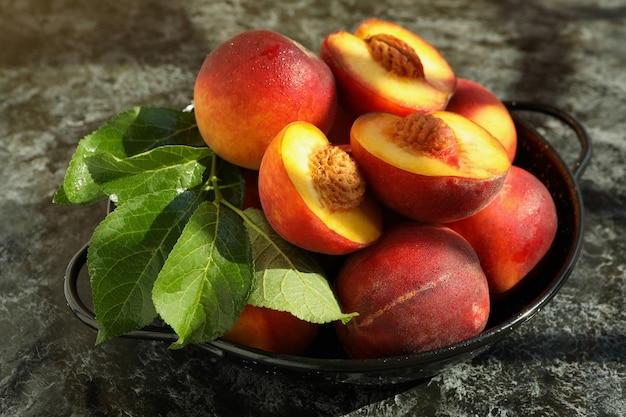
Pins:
x: 442, y: 221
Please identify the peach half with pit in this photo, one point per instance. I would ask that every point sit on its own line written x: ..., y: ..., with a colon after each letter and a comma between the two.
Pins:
x: 420, y: 287
x: 481, y: 105
x: 513, y: 233
x: 386, y: 67
x: 313, y: 193
x: 436, y: 167
x: 251, y: 86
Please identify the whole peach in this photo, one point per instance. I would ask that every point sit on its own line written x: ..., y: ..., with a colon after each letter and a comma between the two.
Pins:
x: 254, y: 84
x: 272, y: 330
x: 514, y: 232
x: 420, y: 287
x: 481, y: 105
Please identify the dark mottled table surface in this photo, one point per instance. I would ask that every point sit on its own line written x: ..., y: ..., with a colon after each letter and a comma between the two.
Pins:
x: 66, y: 66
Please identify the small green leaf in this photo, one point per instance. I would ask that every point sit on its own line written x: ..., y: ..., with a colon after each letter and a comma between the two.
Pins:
x: 156, y: 126
x: 206, y: 279
x: 126, y: 253
x: 129, y: 133
x: 288, y: 278
x: 77, y: 186
x: 60, y: 197
x: 172, y: 167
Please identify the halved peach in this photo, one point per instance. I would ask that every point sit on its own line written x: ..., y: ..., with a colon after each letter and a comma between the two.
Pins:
x: 313, y: 193
x: 385, y: 67
x: 436, y: 167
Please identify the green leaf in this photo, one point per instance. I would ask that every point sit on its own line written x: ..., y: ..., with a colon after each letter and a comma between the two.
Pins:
x: 77, y: 186
x: 288, y: 278
x: 129, y: 133
x: 126, y: 253
x: 205, y: 281
x: 172, y: 167
x: 231, y: 183
x: 152, y: 127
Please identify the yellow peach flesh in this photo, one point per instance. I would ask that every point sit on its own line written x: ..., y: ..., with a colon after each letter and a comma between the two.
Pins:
x: 429, y: 55
x: 480, y: 154
x: 355, y: 224
x: 357, y: 59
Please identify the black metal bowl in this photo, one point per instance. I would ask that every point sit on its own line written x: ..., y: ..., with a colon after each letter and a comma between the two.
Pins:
x: 326, y: 361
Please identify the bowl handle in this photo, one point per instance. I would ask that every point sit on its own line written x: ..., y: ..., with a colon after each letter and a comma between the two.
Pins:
x: 568, y: 119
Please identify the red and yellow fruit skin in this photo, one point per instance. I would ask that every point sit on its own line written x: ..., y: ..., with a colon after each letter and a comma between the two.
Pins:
x: 363, y: 89
x: 426, y: 198
x: 420, y: 287
x: 290, y: 215
x: 251, y: 86
x: 481, y: 105
x: 339, y: 133
x: 464, y: 196
x: 251, y: 196
x: 272, y: 331
x: 513, y: 233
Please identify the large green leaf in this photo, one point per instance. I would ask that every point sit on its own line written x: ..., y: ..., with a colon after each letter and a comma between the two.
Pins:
x: 129, y: 133
x: 126, y: 253
x: 173, y: 167
x: 288, y: 278
x: 205, y: 281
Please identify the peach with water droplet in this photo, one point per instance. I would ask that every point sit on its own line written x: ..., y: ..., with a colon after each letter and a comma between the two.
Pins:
x: 254, y: 84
